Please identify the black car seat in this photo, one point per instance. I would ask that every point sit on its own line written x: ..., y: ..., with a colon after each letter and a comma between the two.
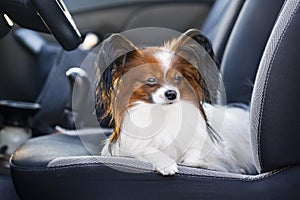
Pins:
x: 62, y: 167
x: 218, y: 25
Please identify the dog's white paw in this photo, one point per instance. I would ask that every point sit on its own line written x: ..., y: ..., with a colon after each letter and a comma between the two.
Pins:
x: 160, y: 161
x: 167, y: 170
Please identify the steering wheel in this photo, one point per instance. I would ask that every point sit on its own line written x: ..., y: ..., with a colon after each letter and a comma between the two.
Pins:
x: 46, y: 16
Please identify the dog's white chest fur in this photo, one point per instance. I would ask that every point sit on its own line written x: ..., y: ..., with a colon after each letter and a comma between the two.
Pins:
x: 167, y: 135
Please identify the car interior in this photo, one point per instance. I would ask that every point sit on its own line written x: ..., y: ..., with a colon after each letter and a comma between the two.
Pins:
x: 50, y: 138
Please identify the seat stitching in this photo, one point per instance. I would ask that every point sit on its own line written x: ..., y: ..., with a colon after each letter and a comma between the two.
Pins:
x: 148, y: 170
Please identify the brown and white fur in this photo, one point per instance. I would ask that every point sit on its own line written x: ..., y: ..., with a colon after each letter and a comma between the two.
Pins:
x: 156, y: 96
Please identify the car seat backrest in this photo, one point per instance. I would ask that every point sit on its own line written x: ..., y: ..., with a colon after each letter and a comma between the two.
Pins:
x: 275, y: 121
x: 245, y: 47
x: 219, y: 23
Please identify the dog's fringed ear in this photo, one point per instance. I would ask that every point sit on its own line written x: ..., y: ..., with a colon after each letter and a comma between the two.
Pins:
x: 201, y: 39
x: 197, y: 49
x: 113, y: 48
x: 112, y: 54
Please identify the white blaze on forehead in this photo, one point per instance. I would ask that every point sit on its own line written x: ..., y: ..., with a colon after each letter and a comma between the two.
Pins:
x: 165, y: 58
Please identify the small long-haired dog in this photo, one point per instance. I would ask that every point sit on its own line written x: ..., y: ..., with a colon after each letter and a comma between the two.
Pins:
x: 158, y: 100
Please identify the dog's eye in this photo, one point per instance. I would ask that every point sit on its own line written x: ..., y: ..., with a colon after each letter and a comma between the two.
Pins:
x: 151, y: 81
x: 178, y: 79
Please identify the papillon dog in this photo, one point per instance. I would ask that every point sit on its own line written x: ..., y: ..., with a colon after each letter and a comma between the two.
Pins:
x: 159, y: 102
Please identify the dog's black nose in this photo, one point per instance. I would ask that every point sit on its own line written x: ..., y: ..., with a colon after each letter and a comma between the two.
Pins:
x: 171, y: 94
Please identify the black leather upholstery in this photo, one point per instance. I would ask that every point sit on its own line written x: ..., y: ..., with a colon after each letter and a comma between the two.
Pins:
x: 276, y: 95
x: 219, y: 23
x: 49, y: 148
x: 245, y: 48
